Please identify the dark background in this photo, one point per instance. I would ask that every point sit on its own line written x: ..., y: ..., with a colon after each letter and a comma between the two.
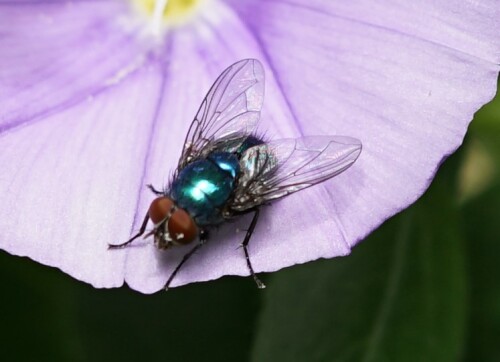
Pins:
x: 423, y: 287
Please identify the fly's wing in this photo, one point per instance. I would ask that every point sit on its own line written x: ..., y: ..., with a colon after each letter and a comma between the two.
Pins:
x: 229, y: 112
x: 276, y: 169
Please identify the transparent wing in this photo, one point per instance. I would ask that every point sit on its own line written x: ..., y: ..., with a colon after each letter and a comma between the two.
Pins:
x: 229, y: 112
x: 276, y: 169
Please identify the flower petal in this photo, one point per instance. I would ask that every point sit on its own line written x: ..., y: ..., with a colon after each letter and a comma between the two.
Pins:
x: 74, y: 178
x: 78, y: 179
x: 403, y: 78
x: 408, y: 97
x: 55, y: 54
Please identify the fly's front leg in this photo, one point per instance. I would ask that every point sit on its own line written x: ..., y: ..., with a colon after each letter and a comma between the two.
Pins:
x: 141, y: 231
x: 260, y: 285
x: 153, y: 190
x: 203, y: 239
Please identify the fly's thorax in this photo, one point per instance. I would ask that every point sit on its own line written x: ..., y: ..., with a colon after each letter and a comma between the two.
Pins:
x: 173, y: 225
x: 249, y: 142
x: 204, y: 186
x: 227, y: 162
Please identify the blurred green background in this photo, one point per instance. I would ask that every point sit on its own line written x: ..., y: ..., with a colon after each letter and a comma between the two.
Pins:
x: 423, y: 287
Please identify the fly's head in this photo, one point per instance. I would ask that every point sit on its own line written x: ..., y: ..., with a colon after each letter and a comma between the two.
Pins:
x: 173, y: 225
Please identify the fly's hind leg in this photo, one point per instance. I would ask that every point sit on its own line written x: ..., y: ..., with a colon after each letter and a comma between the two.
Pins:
x: 250, y: 230
x: 203, y: 240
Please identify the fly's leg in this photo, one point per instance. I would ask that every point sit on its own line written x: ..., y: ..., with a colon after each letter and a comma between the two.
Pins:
x: 141, y: 231
x: 203, y: 240
x: 260, y: 285
x: 155, y: 191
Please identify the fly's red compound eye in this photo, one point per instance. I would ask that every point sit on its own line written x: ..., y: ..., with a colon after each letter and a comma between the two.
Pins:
x: 159, y: 209
x: 181, y: 227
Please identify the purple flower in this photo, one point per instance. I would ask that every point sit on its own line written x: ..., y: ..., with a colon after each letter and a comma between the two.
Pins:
x: 96, y: 97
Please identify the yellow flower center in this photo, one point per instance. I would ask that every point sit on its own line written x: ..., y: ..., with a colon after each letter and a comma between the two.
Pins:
x: 168, y: 12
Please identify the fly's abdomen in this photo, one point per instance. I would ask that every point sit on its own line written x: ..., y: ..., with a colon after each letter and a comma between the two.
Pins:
x: 204, y: 186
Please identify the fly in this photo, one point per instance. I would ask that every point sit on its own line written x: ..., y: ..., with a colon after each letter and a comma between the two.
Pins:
x: 227, y: 170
